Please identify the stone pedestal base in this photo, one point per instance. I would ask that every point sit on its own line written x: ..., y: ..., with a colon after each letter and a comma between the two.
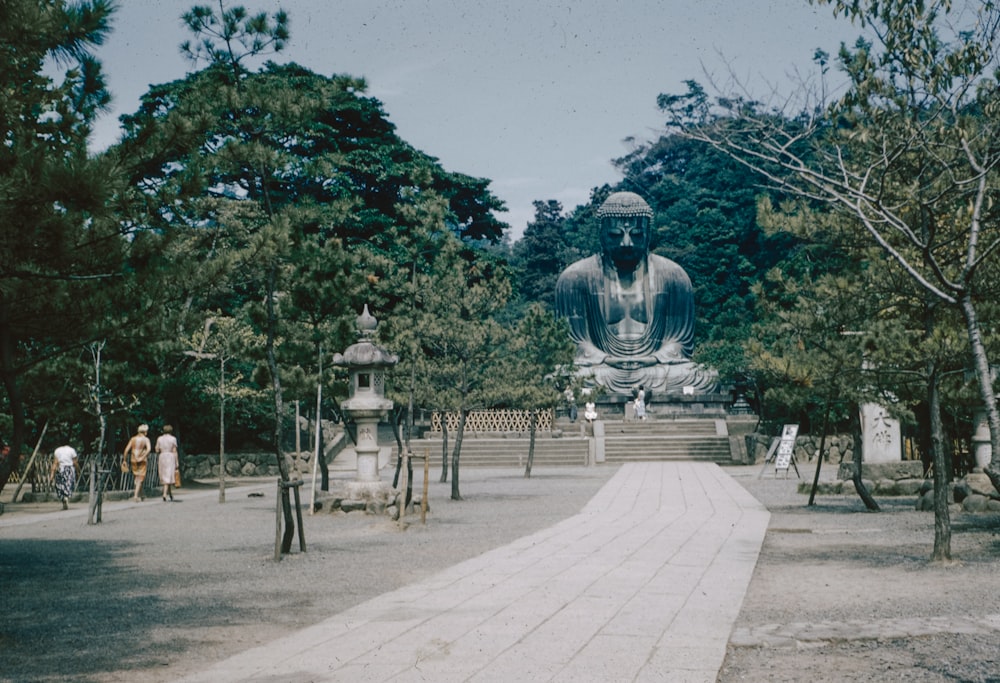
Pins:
x: 368, y: 490
x: 615, y: 406
x: 347, y: 459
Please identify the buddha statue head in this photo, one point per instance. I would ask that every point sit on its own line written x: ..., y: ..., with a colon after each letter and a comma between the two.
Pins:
x: 626, y: 226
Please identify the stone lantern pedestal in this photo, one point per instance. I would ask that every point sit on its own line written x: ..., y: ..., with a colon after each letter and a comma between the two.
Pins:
x: 366, y: 406
x: 982, y: 449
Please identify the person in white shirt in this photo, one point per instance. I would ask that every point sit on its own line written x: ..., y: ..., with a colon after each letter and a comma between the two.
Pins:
x: 640, y: 403
x: 65, y: 469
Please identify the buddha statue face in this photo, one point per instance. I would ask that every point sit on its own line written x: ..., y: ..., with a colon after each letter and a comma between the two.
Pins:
x: 625, y: 239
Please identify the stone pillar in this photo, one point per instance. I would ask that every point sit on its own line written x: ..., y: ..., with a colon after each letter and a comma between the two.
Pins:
x: 630, y: 411
x: 598, y: 441
x: 367, y: 449
x: 982, y: 449
x: 880, y: 435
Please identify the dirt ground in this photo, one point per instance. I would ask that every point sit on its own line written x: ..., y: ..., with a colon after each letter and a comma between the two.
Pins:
x: 842, y: 594
x: 161, y: 589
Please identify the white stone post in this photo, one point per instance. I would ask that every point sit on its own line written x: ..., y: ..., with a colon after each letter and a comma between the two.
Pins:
x: 982, y: 450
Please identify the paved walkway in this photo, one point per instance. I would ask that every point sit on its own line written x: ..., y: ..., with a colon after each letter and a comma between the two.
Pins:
x: 643, y: 585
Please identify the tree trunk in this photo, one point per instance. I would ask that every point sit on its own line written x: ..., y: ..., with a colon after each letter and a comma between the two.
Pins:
x: 324, y: 468
x: 394, y: 417
x: 942, y: 520
x: 985, y: 378
x: 320, y: 456
x: 822, y: 448
x: 531, y: 444
x: 272, y: 366
x: 409, y: 406
x: 401, y: 449
x: 14, y: 401
x: 859, y: 485
x: 455, y: 495
x: 444, y: 448
x: 222, y: 427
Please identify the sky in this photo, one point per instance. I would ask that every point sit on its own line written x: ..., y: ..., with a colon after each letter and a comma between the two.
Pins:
x: 539, y: 96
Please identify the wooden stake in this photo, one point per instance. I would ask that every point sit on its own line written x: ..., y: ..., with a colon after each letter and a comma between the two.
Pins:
x: 30, y: 461
x: 423, y: 498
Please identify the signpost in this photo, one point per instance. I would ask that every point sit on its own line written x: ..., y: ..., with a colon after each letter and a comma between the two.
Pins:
x: 782, y: 451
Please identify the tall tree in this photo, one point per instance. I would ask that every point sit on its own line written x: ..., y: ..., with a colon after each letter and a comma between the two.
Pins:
x: 542, y: 254
x: 461, y: 339
x: 705, y: 205
x: 277, y: 180
x: 526, y: 373
x: 910, y: 150
x: 58, y: 247
x: 808, y: 346
x: 862, y: 333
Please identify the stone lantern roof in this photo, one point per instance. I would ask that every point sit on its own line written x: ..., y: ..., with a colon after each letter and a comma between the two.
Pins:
x: 365, y: 353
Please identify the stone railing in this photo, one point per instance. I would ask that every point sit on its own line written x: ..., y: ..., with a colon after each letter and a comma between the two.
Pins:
x: 495, y: 421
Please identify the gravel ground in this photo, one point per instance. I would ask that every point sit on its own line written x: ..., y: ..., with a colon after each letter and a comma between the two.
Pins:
x: 862, y: 578
x: 160, y: 589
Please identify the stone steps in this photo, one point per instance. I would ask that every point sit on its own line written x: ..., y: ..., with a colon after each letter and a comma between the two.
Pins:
x: 679, y: 427
x: 509, y: 452
x: 619, y: 449
x: 625, y: 441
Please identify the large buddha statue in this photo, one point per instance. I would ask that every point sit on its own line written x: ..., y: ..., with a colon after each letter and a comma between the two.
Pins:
x: 631, y: 313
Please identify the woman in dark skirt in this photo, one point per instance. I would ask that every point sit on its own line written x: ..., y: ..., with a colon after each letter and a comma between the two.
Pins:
x: 64, y: 470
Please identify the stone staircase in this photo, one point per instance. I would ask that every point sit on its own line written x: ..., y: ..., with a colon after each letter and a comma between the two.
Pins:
x: 667, y: 439
x: 705, y: 439
x: 486, y: 451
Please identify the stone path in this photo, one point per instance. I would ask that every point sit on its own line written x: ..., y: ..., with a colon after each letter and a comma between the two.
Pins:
x: 643, y: 585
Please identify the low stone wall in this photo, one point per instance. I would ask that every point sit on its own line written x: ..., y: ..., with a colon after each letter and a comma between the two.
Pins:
x: 972, y: 493
x: 904, y: 478
x: 256, y: 464
x: 838, y: 447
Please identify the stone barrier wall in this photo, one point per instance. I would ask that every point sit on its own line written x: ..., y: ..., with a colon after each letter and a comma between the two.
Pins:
x: 257, y: 464
x: 838, y: 447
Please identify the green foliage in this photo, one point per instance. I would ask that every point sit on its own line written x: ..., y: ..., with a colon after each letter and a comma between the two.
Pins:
x: 526, y: 374
x: 542, y: 254
x: 60, y: 253
x: 285, y: 198
x: 233, y: 35
x: 908, y: 152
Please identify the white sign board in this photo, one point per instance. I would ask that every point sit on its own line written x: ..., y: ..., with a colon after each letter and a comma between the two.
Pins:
x: 880, y: 435
x: 786, y: 447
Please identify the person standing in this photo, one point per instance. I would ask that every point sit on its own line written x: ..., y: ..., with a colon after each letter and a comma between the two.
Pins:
x: 167, y: 460
x: 570, y: 403
x: 640, y: 403
x: 137, y: 454
x: 65, y: 468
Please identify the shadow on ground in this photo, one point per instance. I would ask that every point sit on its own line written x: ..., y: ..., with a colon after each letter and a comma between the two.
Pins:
x: 80, y: 597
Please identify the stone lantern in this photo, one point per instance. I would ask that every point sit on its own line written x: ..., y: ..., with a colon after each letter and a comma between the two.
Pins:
x: 366, y: 405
